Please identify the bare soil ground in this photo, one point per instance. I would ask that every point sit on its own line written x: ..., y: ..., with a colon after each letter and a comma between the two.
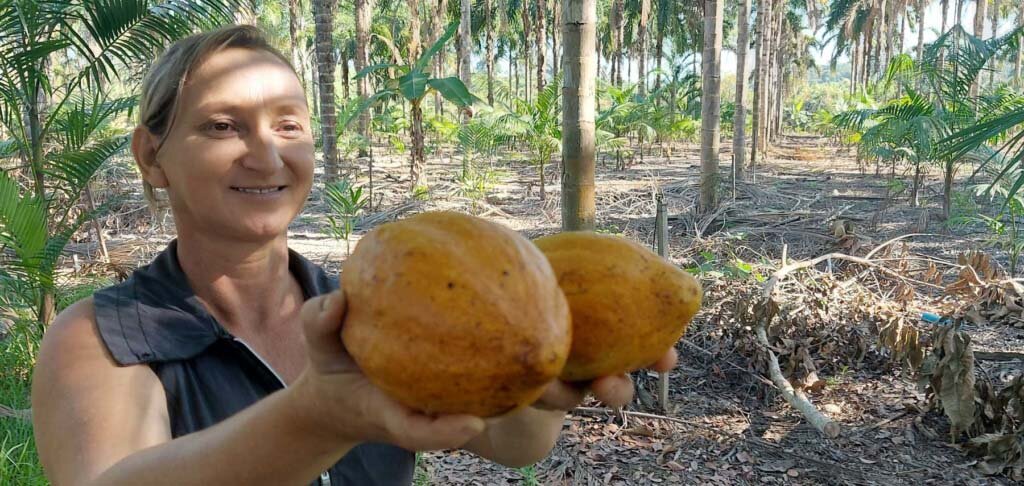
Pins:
x: 725, y: 425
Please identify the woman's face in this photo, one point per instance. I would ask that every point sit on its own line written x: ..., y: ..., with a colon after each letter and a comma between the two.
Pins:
x: 238, y: 160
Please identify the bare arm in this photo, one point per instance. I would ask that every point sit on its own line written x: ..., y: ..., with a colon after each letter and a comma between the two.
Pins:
x: 100, y: 424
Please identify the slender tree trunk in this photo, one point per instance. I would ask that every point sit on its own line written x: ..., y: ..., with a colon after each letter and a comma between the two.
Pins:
x: 759, y: 48
x: 364, y: 9
x: 995, y: 30
x: 959, y: 12
x: 540, y: 29
x: 418, y: 169
x: 711, y: 104
x: 641, y: 32
x: 556, y: 33
x: 294, y: 16
x: 778, y: 47
x: 527, y: 35
x: 947, y: 191
x: 659, y: 52
x: 323, y: 12
x: 418, y: 166
x: 1020, y: 50
x: 618, y: 23
x: 465, y: 38
x: 920, y: 30
x: 885, y: 30
x: 740, y: 117
x: 490, y: 52
x: 854, y: 68
x: 344, y: 73
x: 579, y: 33
x: 441, y: 17
x: 945, y: 15
x: 979, y: 32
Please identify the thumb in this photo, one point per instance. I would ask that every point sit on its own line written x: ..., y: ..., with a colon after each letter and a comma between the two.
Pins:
x: 322, y: 318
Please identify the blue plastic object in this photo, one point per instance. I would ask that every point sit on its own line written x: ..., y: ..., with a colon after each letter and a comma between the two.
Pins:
x: 931, y: 317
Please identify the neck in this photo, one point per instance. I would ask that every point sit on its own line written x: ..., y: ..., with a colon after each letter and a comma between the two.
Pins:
x: 244, y: 285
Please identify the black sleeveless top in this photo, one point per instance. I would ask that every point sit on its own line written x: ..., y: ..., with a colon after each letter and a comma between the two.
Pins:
x: 208, y: 375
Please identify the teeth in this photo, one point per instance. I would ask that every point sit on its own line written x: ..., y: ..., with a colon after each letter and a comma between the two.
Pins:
x: 254, y: 190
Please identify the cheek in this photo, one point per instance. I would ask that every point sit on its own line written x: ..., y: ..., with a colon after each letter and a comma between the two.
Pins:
x: 300, y: 159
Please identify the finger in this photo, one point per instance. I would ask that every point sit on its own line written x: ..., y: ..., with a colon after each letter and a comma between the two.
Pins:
x: 667, y: 362
x: 321, y: 323
x: 614, y: 391
x: 561, y: 396
x: 418, y: 432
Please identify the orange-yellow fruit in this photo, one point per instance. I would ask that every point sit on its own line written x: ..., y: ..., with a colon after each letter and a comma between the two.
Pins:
x: 629, y: 306
x: 450, y: 313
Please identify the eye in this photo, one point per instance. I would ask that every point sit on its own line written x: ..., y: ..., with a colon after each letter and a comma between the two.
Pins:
x: 220, y: 127
x: 290, y: 127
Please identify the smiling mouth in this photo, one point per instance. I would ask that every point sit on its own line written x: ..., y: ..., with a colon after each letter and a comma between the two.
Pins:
x: 258, y: 190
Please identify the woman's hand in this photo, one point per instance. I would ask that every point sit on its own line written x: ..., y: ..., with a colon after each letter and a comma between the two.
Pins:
x: 336, y: 399
x: 614, y: 391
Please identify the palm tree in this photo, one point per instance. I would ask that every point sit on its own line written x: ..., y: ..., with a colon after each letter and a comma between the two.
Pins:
x: 58, y: 129
x: 579, y: 35
x: 711, y: 104
x: 323, y: 16
x: 645, y: 14
x: 740, y: 117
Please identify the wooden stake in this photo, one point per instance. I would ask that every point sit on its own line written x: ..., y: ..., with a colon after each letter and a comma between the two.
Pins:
x: 661, y: 235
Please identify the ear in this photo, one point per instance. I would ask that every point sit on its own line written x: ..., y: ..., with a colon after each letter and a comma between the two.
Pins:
x: 144, y: 145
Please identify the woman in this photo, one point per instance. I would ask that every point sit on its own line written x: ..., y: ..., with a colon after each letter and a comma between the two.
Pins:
x: 221, y: 362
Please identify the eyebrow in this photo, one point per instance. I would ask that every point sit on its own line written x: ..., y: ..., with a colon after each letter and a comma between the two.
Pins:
x: 281, y: 105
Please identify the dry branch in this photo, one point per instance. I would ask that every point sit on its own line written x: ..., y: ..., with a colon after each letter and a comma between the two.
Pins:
x: 795, y: 399
x: 9, y: 412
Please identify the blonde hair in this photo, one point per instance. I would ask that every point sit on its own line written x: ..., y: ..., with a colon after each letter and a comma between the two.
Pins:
x: 162, y: 86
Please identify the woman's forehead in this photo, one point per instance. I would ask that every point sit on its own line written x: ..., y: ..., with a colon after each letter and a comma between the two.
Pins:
x: 239, y: 77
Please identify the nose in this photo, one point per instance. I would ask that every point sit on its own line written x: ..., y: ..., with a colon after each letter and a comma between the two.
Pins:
x: 262, y: 154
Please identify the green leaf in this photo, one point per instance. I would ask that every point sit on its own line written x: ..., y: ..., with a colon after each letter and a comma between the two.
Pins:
x: 453, y: 89
x: 413, y: 85
x: 376, y: 67
x: 421, y: 63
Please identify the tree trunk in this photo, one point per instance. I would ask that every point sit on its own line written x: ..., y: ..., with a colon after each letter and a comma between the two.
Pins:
x: 854, y: 60
x: 490, y: 52
x: 1017, y: 64
x: 323, y: 13
x: 979, y: 32
x: 344, y: 73
x: 294, y: 16
x: 995, y: 29
x: 441, y: 17
x: 920, y: 30
x: 418, y: 168
x: 618, y: 24
x: 465, y: 37
x: 659, y: 48
x: 364, y: 8
x: 947, y: 191
x: 418, y: 165
x: 579, y: 35
x: 740, y: 117
x: 958, y: 14
x: 556, y: 32
x: 711, y: 104
x: 641, y: 32
x: 759, y: 48
x: 540, y: 29
x: 527, y: 35
x: 945, y: 15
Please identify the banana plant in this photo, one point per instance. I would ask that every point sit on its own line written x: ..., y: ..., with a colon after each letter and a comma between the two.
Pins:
x: 412, y: 82
x: 56, y: 125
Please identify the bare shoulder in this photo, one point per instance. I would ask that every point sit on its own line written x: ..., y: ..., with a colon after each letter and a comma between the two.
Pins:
x: 88, y: 411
